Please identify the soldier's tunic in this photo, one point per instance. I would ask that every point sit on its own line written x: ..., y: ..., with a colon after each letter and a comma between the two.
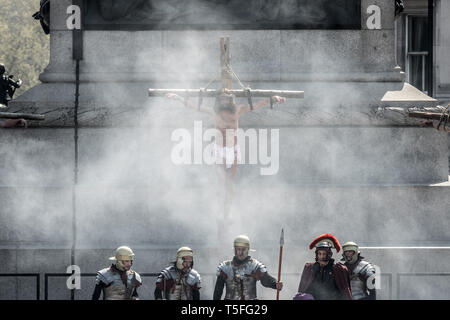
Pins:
x: 240, y: 279
x: 178, y: 285
x: 116, y: 284
x: 361, y: 271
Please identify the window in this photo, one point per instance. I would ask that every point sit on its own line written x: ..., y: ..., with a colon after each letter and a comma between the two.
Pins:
x: 417, y: 58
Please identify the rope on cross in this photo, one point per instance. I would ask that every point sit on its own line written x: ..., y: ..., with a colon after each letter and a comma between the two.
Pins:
x: 227, y: 74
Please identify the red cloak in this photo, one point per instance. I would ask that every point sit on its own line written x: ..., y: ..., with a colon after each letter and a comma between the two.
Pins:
x: 341, y: 276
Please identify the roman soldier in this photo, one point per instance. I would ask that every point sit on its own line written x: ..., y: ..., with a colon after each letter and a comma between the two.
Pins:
x: 324, y: 279
x: 361, y: 272
x: 179, y: 281
x: 241, y: 274
x: 118, y: 282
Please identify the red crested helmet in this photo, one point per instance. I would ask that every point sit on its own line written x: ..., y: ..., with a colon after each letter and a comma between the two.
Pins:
x: 326, y: 241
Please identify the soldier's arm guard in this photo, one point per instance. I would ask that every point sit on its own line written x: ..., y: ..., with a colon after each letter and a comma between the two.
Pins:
x: 159, y: 287
x: 218, y: 290
x: 135, y: 294
x: 195, y: 294
x: 98, y: 290
x: 158, y: 294
x: 268, y: 281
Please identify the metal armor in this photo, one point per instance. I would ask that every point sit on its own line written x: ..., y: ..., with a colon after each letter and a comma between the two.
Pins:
x: 115, y: 289
x: 183, y: 283
x: 241, y: 279
x: 358, y: 278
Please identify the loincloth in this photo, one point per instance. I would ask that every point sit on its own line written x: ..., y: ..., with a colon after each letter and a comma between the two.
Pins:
x: 229, y: 154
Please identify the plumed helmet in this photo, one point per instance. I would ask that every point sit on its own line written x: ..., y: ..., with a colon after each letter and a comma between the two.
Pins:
x: 181, y: 253
x: 326, y: 240
x: 350, y: 246
x: 324, y: 244
x: 122, y: 253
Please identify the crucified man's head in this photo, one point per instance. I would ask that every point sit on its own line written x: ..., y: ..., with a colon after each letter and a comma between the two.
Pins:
x: 225, y: 102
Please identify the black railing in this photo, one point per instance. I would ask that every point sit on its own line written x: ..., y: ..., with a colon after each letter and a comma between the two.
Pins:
x: 389, y: 275
x: 17, y: 275
x: 37, y: 276
x: 412, y: 274
x: 48, y: 275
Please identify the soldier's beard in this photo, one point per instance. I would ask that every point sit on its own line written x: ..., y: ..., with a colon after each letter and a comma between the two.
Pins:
x: 325, y: 259
x: 187, y: 269
x: 241, y: 257
x: 121, y: 267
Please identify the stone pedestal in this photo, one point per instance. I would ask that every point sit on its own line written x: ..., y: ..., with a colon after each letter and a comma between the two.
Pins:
x: 342, y: 169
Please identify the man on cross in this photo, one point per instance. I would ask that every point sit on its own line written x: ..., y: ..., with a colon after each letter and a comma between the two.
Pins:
x: 226, y: 114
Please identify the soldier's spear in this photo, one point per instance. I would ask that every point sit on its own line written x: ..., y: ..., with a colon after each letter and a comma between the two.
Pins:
x: 279, y: 263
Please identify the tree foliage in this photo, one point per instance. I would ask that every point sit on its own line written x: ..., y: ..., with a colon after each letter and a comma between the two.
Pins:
x: 24, y: 47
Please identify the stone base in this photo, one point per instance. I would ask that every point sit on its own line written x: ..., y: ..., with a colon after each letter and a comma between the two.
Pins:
x: 357, y: 183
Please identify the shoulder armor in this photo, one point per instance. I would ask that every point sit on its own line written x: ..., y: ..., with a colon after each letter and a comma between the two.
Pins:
x: 138, y: 277
x: 226, y: 268
x: 194, y: 278
x: 105, y: 276
x: 256, y: 265
x: 168, y: 273
x: 366, y: 268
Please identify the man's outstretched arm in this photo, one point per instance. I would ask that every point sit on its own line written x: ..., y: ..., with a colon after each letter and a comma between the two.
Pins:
x: 11, y: 123
x: 187, y: 104
x: 243, y: 108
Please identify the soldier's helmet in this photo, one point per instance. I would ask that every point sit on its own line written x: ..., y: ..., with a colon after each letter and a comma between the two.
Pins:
x: 122, y: 253
x: 242, y: 241
x: 2, y: 69
x: 350, y: 246
x: 181, y: 254
x: 325, y: 241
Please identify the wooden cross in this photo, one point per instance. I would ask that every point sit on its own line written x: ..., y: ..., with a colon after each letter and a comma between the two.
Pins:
x: 226, y: 80
x: 226, y: 76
